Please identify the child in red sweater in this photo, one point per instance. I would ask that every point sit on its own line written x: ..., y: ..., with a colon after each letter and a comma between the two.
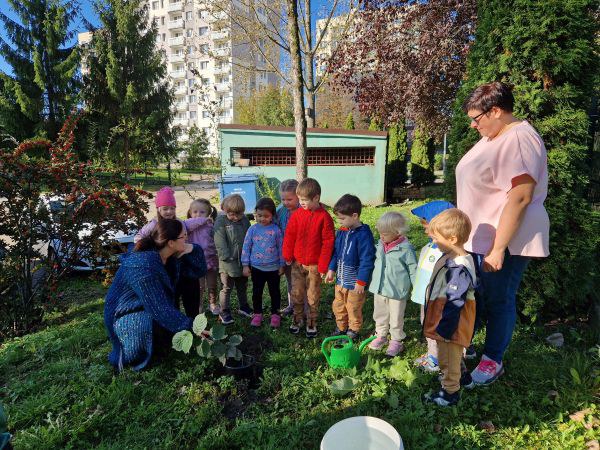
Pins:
x: 307, y: 246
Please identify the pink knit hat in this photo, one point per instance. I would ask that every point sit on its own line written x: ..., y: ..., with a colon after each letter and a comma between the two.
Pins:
x: 165, y: 197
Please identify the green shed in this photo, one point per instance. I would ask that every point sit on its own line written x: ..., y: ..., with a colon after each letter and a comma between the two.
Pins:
x: 343, y: 161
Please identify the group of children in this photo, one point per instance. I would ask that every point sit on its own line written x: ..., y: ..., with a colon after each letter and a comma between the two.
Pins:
x: 298, y: 240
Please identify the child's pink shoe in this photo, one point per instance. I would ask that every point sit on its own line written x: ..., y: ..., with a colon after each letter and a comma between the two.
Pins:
x: 378, y: 343
x: 275, y: 320
x: 256, y: 320
x: 394, y: 348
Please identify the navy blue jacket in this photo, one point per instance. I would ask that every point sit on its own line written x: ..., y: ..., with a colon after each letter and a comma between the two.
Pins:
x: 353, y: 256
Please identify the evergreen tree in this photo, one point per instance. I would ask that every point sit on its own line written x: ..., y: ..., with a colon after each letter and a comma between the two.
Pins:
x: 270, y: 106
x: 44, y: 87
x: 422, y: 155
x: 126, y: 90
x: 349, y: 125
x: 195, y: 148
x: 548, y: 51
x: 396, y: 156
x: 375, y: 124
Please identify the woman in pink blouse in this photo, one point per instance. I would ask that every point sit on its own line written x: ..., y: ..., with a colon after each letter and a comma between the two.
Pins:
x: 501, y: 185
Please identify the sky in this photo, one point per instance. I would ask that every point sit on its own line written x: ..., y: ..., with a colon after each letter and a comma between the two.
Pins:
x: 88, y: 12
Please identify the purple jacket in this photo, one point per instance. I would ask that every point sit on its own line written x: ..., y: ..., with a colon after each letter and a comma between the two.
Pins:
x: 200, y: 232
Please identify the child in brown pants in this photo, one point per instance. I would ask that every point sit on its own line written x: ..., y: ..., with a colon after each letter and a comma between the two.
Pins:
x: 352, y: 264
x: 450, y: 301
x: 307, y: 247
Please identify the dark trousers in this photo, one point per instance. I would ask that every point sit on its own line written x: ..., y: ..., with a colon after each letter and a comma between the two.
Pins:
x: 271, y: 278
x: 188, y: 292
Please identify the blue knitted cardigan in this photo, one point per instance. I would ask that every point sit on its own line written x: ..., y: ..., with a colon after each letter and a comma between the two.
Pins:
x: 143, y: 292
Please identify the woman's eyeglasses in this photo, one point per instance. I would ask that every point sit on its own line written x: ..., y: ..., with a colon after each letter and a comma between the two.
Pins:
x: 477, y: 118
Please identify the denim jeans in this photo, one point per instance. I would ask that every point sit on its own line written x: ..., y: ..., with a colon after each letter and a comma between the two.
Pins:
x: 496, y: 298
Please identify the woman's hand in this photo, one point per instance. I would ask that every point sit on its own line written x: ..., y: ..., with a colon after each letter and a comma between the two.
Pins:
x: 246, y: 271
x: 493, y: 261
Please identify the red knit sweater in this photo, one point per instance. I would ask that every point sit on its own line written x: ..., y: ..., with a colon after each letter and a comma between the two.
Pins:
x: 309, y: 238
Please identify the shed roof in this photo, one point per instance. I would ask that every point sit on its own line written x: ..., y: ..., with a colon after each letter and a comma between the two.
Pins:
x: 380, y: 134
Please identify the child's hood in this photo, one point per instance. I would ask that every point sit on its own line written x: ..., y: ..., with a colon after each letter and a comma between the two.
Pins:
x: 465, y: 261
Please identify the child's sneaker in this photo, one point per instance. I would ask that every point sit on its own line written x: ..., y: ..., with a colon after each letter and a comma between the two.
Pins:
x: 487, y: 371
x: 245, y: 311
x: 352, y: 334
x: 378, y: 343
x: 215, y: 309
x: 466, y: 381
x: 226, y: 318
x: 428, y: 363
x: 311, y: 332
x: 394, y: 348
x: 256, y: 320
x: 442, y: 398
x: 470, y: 353
x: 338, y: 332
x: 275, y: 320
x: 295, y: 328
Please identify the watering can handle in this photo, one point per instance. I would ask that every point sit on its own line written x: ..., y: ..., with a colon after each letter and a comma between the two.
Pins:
x: 329, y: 339
x: 364, y: 343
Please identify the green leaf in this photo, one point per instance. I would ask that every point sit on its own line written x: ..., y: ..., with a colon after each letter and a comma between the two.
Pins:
x: 200, y: 323
x: 218, y: 332
x: 204, y: 349
x: 236, y: 339
x: 182, y: 341
x: 343, y: 386
x: 392, y: 400
x: 575, y: 375
x: 223, y: 359
x: 218, y: 349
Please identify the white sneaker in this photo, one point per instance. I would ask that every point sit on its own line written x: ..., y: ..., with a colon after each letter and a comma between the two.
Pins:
x: 486, y: 372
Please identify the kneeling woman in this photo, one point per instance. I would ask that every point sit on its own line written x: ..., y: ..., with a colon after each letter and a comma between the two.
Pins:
x: 139, y: 308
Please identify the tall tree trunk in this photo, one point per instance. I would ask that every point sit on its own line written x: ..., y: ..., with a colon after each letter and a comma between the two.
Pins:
x: 297, y: 90
x: 310, y: 69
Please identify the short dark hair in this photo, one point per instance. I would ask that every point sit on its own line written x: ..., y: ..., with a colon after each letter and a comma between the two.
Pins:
x: 267, y: 204
x: 347, y: 205
x: 486, y: 96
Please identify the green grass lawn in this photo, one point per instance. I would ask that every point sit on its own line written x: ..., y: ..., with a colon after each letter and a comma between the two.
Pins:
x: 60, y: 391
x: 160, y: 177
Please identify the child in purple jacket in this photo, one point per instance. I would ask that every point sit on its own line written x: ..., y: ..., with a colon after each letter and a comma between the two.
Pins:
x: 204, y: 235
x: 263, y: 260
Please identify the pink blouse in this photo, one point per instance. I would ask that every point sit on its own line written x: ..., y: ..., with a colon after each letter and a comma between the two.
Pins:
x: 484, y: 177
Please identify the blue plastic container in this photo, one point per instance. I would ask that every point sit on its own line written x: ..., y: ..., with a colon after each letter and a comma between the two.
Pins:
x: 244, y: 185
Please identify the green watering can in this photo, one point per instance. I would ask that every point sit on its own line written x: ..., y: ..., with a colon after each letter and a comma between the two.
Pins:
x: 343, y: 355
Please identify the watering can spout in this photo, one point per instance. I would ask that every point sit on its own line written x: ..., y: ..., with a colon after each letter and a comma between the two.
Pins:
x: 364, y: 343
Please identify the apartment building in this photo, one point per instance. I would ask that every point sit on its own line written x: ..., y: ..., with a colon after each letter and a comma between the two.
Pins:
x: 338, y: 29
x: 204, y: 58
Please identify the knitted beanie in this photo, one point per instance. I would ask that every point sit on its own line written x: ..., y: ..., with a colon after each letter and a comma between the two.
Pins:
x: 165, y: 197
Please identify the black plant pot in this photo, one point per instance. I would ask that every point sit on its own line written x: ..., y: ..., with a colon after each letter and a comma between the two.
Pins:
x: 244, y: 368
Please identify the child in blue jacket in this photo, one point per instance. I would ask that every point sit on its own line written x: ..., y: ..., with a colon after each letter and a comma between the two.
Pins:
x: 352, y: 263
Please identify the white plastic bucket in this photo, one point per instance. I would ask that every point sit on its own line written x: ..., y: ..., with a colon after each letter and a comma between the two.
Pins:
x: 362, y: 433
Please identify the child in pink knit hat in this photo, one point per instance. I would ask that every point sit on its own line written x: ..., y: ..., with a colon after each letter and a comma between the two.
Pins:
x: 188, y: 290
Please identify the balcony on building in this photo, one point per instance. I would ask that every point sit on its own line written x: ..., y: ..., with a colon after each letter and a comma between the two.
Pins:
x: 222, y: 69
x: 174, y: 6
x: 175, y: 24
x: 177, y: 74
x: 178, y: 121
x: 220, y: 35
x: 217, y: 16
x: 181, y: 105
x: 222, y: 51
x: 176, y: 57
x: 176, y: 41
x: 181, y: 90
x: 222, y: 87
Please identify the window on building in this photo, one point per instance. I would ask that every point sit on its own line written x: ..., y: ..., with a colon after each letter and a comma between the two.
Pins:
x: 203, y: 65
x: 155, y: 5
x: 191, y: 82
x: 206, y: 130
x: 188, y: 15
x: 203, y: 14
x: 205, y: 81
x: 190, y: 50
x: 202, y: 31
x: 162, y: 20
x: 162, y: 3
x: 188, y: 32
x: 192, y: 114
x: 353, y: 156
x: 164, y: 37
x: 204, y: 49
x: 205, y: 115
x: 192, y: 99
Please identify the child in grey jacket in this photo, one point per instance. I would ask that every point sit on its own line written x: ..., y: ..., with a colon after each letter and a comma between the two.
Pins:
x: 391, y: 283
